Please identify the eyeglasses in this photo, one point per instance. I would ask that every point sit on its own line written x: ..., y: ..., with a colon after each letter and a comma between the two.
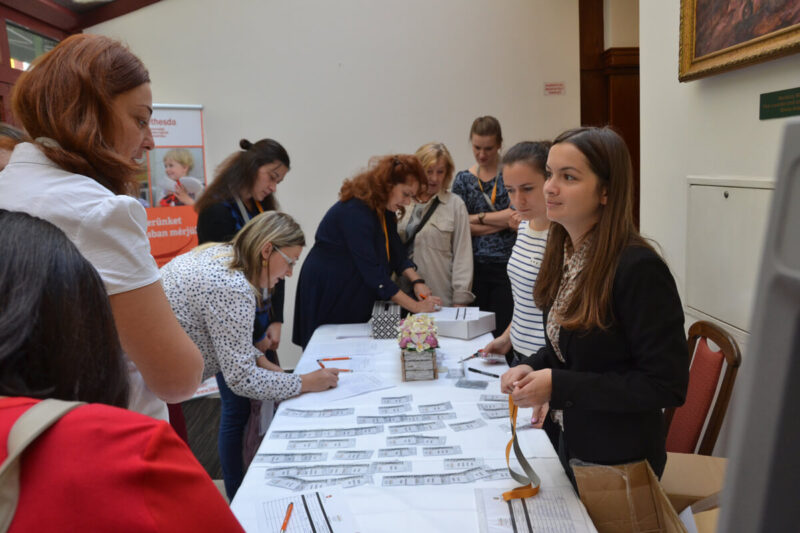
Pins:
x: 291, y: 262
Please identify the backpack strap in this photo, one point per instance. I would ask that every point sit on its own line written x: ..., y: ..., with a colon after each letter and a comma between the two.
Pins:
x: 33, y: 422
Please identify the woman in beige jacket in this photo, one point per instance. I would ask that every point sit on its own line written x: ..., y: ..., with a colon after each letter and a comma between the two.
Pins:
x: 440, y: 243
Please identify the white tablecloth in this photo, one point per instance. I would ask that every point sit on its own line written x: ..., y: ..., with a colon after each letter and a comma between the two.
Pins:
x: 419, y: 508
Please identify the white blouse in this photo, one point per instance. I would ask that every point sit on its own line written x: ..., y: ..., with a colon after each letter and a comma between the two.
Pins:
x: 110, y: 230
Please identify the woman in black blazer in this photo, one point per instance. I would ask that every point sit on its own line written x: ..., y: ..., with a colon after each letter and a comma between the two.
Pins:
x: 615, y: 353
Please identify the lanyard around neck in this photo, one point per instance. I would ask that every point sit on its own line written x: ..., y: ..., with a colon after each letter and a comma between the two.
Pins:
x: 386, y: 236
x: 243, y: 210
x: 494, y: 189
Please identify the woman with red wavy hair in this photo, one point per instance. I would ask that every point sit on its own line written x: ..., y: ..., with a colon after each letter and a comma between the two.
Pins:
x: 357, y: 248
x: 87, y: 104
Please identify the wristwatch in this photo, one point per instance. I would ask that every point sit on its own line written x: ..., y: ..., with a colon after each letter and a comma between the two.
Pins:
x: 480, y: 217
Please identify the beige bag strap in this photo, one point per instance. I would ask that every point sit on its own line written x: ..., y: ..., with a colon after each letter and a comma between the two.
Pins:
x: 25, y: 430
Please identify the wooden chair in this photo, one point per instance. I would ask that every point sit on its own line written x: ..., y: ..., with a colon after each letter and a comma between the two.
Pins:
x: 685, y: 423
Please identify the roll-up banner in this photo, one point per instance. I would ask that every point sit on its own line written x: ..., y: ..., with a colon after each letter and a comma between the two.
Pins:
x: 174, y: 177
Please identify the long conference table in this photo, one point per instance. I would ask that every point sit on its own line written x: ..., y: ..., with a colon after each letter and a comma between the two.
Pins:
x: 421, y: 456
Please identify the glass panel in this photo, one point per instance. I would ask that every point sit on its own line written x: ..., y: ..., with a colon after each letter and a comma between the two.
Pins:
x: 26, y: 45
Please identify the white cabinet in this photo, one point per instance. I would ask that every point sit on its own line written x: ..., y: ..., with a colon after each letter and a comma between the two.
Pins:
x: 726, y: 225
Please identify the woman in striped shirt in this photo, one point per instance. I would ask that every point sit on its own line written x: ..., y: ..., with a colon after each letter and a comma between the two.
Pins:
x: 524, y: 176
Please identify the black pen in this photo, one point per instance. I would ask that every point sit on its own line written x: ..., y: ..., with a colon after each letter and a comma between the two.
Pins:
x: 482, y: 372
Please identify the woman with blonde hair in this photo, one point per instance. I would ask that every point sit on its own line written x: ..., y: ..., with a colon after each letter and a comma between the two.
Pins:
x: 615, y: 352
x: 215, y: 291
x: 435, y: 230
x: 357, y: 249
x: 87, y: 105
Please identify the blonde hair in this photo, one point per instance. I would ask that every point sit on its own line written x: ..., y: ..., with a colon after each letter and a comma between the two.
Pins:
x: 431, y: 153
x: 181, y: 156
x: 273, y: 227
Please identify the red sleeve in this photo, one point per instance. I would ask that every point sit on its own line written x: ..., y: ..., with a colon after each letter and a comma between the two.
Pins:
x: 106, y: 469
x: 177, y: 491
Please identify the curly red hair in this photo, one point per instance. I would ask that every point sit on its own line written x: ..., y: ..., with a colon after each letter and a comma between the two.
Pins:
x: 374, y: 185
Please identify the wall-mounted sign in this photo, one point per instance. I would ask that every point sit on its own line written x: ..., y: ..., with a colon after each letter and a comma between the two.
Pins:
x: 556, y: 88
x: 780, y: 104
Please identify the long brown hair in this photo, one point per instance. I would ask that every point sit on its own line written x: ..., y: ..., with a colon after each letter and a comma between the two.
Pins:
x: 240, y: 170
x: 609, y: 159
x: 67, y: 95
x: 374, y: 185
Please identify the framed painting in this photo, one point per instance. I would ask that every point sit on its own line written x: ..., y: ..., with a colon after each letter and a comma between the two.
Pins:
x: 721, y: 35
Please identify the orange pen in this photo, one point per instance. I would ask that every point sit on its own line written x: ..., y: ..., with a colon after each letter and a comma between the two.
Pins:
x: 334, y: 359
x: 287, y: 517
x: 320, y: 364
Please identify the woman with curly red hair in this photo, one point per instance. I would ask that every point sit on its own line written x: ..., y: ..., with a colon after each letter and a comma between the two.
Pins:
x: 357, y: 248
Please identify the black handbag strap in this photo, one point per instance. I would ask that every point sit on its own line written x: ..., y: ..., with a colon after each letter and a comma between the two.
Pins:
x: 431, y: 209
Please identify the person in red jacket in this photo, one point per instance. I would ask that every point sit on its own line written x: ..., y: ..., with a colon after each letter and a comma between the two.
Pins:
x: 100, y: 467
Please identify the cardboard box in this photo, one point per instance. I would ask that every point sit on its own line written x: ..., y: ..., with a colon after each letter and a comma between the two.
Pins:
x: 689, y: 477
x: 706, y: 522
x: 467, y: 329
x: 625, y: 498
x: 630, y: 497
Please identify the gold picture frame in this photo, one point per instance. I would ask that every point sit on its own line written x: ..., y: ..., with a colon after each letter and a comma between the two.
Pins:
x: 735, y: 34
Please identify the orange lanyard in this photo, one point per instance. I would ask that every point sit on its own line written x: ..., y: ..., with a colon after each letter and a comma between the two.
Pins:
x: 494, y: 189
x: 531, y: 480
x: 386, y: 235
x: 258, y: 206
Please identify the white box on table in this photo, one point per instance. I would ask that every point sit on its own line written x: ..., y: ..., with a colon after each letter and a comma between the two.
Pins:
x: 467, y: 329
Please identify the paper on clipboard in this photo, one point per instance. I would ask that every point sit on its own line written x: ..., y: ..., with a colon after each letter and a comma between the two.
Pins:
x: 324, y: 511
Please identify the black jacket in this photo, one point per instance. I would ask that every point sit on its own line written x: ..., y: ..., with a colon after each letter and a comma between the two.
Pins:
x: 616, y: 382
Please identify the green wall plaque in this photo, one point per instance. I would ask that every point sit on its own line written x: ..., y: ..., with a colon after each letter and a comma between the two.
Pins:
x: 780, y: 104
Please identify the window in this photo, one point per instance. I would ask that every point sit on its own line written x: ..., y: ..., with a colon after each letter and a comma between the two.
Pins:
x: 25, y: 45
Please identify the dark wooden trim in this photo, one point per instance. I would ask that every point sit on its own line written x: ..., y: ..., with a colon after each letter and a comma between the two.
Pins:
x: 68, y: 21
x: 46, y: 12
x: 112, y: 10
x: 590, y: 33
x: 621, y: 58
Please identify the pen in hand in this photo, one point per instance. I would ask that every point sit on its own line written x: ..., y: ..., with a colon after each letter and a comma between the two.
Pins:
x: 319, y: 362
x: 287, y: 517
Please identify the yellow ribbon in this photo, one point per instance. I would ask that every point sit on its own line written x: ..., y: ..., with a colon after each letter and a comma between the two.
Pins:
x: 531, y: 480
x: 386, y: 234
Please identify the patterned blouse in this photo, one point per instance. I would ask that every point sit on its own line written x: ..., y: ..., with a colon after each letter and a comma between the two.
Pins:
x: 496, y: 247
x: 216, y: 307
x: 573, y: 265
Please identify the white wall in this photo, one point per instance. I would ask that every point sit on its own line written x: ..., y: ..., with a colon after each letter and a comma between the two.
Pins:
x: 708, y: 127
x: 620, y: 23
x: 339, y: 81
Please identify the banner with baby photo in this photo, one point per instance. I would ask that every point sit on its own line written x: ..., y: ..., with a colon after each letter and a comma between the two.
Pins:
x: 173, y: 177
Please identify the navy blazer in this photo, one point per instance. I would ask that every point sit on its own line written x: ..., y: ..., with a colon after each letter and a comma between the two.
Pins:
x: 347, y: 269
x: 615, y: 383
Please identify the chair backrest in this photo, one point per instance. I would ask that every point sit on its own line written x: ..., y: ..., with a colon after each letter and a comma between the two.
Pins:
x: 685, y: 423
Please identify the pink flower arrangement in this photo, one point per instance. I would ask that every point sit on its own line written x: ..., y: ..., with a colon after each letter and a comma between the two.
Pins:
x: 417, y: 332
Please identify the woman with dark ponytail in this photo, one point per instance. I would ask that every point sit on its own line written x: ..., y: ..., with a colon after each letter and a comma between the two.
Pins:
x: 244, y: 186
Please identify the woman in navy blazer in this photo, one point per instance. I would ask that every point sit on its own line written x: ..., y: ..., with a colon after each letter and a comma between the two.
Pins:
x: 615, y: 353
x: 356, y: 249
